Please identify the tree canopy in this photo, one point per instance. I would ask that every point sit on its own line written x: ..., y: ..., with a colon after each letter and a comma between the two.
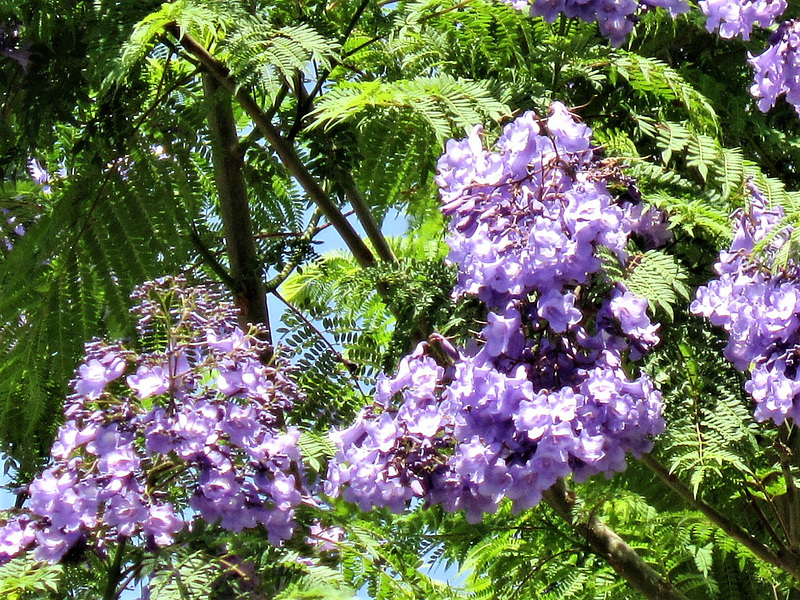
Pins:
x: 574, y: 376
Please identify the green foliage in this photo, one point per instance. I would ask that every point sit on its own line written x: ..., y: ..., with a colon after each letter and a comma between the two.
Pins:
x: 658, y: 277
x: 443, y: 103
x: 184, y: 576
x: 373, y: 334
x: 654, y: 275
x: 369, y: 93
x: 651, y: 77
x: 20, y: 579
x: 260, y: 53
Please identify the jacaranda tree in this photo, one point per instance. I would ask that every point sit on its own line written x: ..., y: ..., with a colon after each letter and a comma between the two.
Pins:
x: 575, y: 375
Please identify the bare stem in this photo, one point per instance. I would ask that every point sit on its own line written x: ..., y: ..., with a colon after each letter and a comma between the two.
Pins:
x: 786, y: 447
x: 302, y: 241
x: 115, y: 571
x: 367, y: 220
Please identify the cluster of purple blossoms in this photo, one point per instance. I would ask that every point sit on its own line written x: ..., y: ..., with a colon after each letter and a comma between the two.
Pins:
x: 544, y: 392
x: 615, y: 18
x: 17, y: 214
x: 759, y: 309
x: 739, y: 17
x: 192, y: 428
x: 777, y: 69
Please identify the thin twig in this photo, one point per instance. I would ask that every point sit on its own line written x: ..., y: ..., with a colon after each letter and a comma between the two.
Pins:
x: 790, y: 500
x: 294, y: 261
x: 321, y: 336
x: 536, y: 569
x: 210, y: 259
x: 763, y: 518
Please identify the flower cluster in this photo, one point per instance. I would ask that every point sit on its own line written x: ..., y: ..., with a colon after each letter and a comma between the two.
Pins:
x: 544, y: 392
x: 615, y: 18
x: 759, y: 309
x: 19, y: 213
x: 194, y: 426
x: 739, y: 17
x: 778, y: 67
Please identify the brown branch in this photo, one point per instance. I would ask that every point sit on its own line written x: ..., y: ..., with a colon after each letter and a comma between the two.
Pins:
x: 782, y: 560
x: 367, y: 220
x: 763, y: 518
x: 612, y: 548
x: 246, y: 269
x: 282, y: 147
x: 209, y: 258
x: 339, y: 357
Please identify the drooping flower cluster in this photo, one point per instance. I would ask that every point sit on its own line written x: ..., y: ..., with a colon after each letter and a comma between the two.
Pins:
x: 544, y: 392
x: 615, y: 18
x: 11, y: 228
x: 738, y: 17
x: 777, y: 69
x: 18, y: 213
x: 191, y: 427
x: 759, y: 309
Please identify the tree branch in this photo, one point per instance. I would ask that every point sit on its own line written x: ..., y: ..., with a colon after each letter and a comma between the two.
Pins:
x: 246, y: 268
x: 211, y: 260
x: 323, y: 339
x: 367, y: 220
x: 784, y: 560
x: 612, y: 548
x: 282, y: 148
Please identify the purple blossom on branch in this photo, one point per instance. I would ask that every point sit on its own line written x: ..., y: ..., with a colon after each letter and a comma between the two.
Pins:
x: 167, y: 425
x: 759, y: 308
x: 739, y: 17
x: 777, y: 68
x: 615, y: 18
x: 537, y: 398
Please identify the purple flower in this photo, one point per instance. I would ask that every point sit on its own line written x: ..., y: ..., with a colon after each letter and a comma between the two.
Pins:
x: 163, y: 524
x: 631, y: 312
x: 739, y: 17
x: 558, y: 310
x: 149, y: 381
x: 16, y: 536
x: 97, y: 373
x: 777, y: 67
